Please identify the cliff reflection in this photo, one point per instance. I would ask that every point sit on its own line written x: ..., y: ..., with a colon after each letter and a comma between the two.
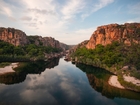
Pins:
x: 98, y: 79
x: 25, y: 68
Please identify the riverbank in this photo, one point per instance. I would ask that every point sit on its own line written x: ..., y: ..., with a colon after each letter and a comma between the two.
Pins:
x: 8, y: 69
x: 132, y: 80
x: 113, y: 81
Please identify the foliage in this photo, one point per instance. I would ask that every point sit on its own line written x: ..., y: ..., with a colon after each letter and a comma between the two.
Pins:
x: 9, y: 52
x: 3, y: 64
x: 128, y: 85
x: 115, y: 55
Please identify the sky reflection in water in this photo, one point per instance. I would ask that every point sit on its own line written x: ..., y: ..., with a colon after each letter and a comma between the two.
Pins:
x: 64, y: 84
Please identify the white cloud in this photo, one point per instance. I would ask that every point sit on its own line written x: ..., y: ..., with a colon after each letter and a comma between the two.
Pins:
x: 77, y: 36
x: 50, y: 18
x: 41, y: 11
x: 134, y: 9
x: 101, y: 4
x: 96, y: 6
x: 26, y: 18
x: 12, y: 18
x: 5, y: 8
x: 133, y: 20
x: 72, y: 7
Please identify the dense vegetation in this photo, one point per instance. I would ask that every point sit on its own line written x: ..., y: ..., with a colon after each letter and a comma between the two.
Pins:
x: 9, y: 52
x: 98, y: 79
x: 115, y: 55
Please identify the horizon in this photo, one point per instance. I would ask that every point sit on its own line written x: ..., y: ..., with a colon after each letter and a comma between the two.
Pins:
x: 69, y: 22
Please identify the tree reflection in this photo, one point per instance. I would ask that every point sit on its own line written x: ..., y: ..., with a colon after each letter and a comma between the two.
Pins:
x: 98, y: 79
x: 25, y: 68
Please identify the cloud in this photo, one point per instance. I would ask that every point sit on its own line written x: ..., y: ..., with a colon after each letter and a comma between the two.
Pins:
x: 133, y: 20
x: 134, y: 9
x: 49, y: 18
x: 26, y: 18
x: 33, y: 25
x: 52, y: 17
x: 72, y: 7
x: 101, y: 4
x: 41, y: 11
x: 96, y: 6
x: 12, y: 18
x: 77, y: 36
x: 5, y: 8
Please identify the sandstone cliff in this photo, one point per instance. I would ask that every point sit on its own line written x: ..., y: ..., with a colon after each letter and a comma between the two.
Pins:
x: 13, y: 36
x: 19, y: 38
x: 127, y: 33
x: 80, y: 45
x: 45, y: 41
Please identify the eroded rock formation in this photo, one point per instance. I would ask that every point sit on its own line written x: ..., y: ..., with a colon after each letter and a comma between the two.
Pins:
x: 13, y: 36
x: 19, y: 38
x: 45, y: 41
x: 127, y: 33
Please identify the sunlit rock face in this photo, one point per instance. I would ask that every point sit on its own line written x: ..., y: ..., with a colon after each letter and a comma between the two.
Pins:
x: 13, y: 36
x: 127, y: 33
x: 19, y: 38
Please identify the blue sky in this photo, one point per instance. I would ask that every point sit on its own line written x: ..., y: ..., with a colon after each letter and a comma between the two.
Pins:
x: 69, y: 21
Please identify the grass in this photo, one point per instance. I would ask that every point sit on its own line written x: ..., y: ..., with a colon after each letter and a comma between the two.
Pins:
x: 3, y: 64
x: 126, y: 84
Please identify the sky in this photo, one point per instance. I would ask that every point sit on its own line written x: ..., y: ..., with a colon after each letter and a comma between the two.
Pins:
x: 69, y: 21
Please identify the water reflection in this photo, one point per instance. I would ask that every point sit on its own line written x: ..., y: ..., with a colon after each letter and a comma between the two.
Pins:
x: 98, y: 79
x: 64, y: 84
x: 27, y: 68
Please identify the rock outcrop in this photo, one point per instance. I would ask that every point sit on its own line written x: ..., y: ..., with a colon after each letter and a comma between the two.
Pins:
x: 128, y: 33
x: 19, y: 38
x: 80, y: 45
x: 13, y: 36
x: 45, y: 41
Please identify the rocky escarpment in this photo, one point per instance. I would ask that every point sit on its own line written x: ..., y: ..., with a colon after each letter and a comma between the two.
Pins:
x: 127, y: 33
x: 13, y: 36
x: 75, y: 47
x: 19, y: 38
x: 80, y: 45
x: 44, y: 41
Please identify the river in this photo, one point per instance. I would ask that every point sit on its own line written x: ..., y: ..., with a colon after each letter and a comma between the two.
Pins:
x: 62, y: 83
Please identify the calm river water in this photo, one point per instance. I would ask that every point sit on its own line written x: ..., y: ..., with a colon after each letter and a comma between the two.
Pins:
x: 62, y: 83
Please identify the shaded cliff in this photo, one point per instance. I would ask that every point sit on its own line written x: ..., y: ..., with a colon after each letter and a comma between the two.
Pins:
x: 80, y: 45
x: 44, y: 41
x: 127, y: 33
x: 19, y: 38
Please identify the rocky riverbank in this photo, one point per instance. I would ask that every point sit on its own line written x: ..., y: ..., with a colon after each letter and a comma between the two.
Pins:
x: 8, y: 69
x: 113, y: 81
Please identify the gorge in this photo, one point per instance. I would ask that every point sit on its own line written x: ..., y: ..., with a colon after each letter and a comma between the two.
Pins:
x: 59, y: 82
x: 15, y: 45
x: 44, y: 77
x: 113, y: 47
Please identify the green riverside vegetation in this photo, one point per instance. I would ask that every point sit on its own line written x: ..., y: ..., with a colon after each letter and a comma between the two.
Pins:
x: 113, y: 57
x: 9, y: 52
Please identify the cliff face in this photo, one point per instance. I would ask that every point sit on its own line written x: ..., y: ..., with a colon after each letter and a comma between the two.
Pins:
x: 19, y: 38
x: 13, y: 36
x: 45, y: 41
x: 80, y: 45
x: 128, y: 33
